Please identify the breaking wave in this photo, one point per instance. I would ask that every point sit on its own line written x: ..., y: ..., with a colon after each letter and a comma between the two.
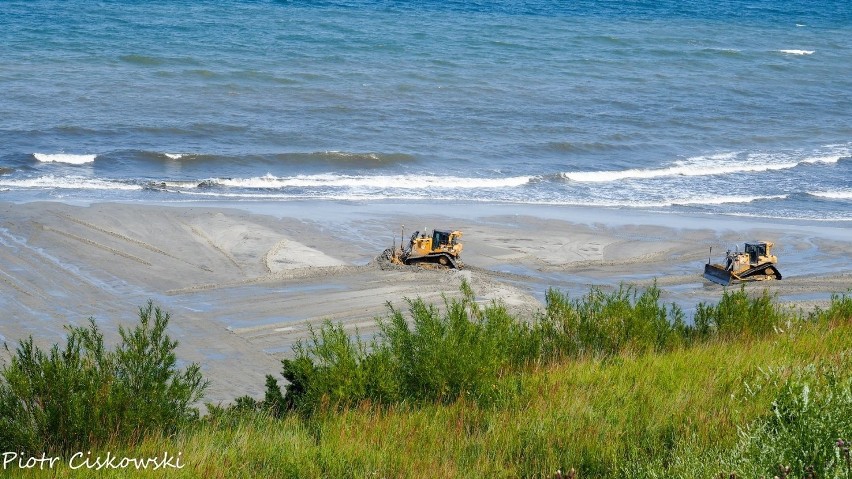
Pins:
x: 721, y: 200
x: 705, y: 166
x: 426, y: 193
x: 834, y: 195
x: 666, y: 203
x: 797, y: 52
x: 376, y: 196
x: 64, y: 158
x: 69, y: 182
x: 331, y: 159
x: 380, y: 181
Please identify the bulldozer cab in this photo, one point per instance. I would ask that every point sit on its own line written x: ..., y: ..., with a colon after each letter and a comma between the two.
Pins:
x: 440, y: 238
x: 757, y: 250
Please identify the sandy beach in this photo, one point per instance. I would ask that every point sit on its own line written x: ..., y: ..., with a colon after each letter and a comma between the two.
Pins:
x: 243, y: 282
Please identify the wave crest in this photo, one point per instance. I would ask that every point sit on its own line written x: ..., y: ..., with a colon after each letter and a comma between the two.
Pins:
x: 834, y: 195
x: 64, y: 158
x: 380, y: 182
x: 70, y: 182
x: 722, y: 164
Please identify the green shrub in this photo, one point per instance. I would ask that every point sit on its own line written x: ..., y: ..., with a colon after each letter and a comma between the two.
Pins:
x: 442, y: 356
x: 738, y: 314
x: 840, y: 309
x: 330, y: 369
x: 428, y: 355
x: 82, y: 394
x: 608, y: 323
x: 462, y: 349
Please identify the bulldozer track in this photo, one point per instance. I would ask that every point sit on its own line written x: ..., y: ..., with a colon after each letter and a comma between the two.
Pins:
x: 122, y: 237
x: 498, y: 274
x: 117, y: 235
x: 213, y: 245
x: 12, y: 284
x: 95, y: 244
x: 289, y: 275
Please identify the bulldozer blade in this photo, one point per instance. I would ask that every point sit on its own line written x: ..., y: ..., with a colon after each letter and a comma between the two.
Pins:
x: 719, y: 275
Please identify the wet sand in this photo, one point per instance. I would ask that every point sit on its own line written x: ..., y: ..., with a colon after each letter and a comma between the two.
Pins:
x: 243, y: 284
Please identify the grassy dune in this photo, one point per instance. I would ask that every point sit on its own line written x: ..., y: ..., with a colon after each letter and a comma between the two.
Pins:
x: 745, y: 403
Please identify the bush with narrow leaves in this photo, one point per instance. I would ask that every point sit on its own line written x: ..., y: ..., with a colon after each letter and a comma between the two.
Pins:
x: 80, y: 395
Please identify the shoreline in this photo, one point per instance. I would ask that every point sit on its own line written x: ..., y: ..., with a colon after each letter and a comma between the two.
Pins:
x: 242, y: 282
x: 303, y: 208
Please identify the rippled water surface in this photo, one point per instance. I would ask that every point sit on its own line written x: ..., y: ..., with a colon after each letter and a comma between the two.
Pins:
x: 693, y: 106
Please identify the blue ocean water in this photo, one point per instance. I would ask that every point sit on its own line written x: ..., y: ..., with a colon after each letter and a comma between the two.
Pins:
x: 741, y: 108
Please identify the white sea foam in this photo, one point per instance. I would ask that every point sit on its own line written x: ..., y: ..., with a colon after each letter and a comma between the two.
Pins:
x: 690, y: 201
x: 823, y: 159
x: 721, y: 200
x: 666, y: 203
x: 797, y: 52
x: 680, y: 168
x: 834, y: 195
x: 711, y: 200
x: 175, y: 184
x: 713, y: 165
x: 173, y: 156
x: 69, y: 182
x: 346, y: 154
x: 349, y: 195
x: 796, y: 216
x: 64, y: 158
x: 380, y: 181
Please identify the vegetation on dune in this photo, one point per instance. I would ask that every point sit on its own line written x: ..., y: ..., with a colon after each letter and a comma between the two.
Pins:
x: 612, y: 384
x: 463, y: 349
x: 83, y: 395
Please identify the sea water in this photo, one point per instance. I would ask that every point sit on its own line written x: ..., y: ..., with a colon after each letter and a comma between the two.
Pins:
x: 706, y: 107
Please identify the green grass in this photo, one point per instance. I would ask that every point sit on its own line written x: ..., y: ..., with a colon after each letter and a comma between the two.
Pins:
x: 646, y: 399
x: 670, y: 414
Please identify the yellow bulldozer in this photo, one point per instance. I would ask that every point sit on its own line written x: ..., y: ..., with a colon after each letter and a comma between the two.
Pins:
x: 755, y: 263
x: 440, y: 249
